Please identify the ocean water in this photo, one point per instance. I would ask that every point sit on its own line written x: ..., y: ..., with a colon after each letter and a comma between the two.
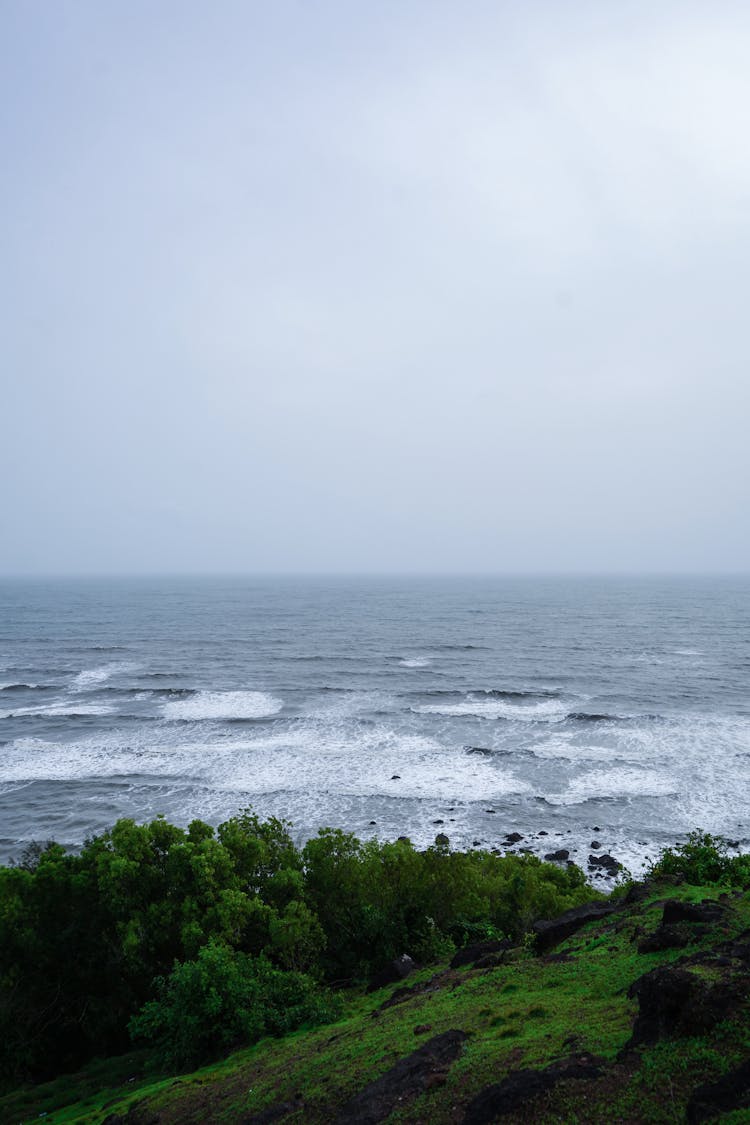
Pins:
x: 565, y: 709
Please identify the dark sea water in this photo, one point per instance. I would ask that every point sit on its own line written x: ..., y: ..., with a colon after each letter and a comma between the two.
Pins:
x: 608, y: 708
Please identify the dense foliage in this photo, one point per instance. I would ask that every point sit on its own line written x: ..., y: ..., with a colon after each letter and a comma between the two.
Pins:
x: 185, y: 926
x: 701, y: 860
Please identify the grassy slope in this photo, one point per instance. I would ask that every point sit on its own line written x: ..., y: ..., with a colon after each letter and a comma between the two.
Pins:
x: 521, y: 1014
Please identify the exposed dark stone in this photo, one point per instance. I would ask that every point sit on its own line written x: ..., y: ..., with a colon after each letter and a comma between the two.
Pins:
x: 673, y: 1001
x: 442, y: 840
x: 403, y: 840
x: 665, y: 937
x: 477, y: 844
x: 595, y: 844
x: 637, y: 892
x: 410, y: 1076
x: 397, y: 969
x: 714, y: 1099
x: 707, y: 911
x: 551, y: 932
x: 543, y: 832
x: 605, y: 860
x: 559, y: 856
x: 438, y: 822
x: 513, y: 837
x: 272, y: 1113
x: 396, y: 777
x: 471, y: 953
x: 521, y: 1085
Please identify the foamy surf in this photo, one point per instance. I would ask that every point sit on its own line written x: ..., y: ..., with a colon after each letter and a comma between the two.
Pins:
x: 549, y: 710
x: 90, y: 678
x: 223, y: 705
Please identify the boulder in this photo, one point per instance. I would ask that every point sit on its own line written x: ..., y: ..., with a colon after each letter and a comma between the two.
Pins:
x: 665, y: 937
x: 707, y: 911
x: 674, y: 1002
x: 511, y: 1095
x: 559, y: 856
x: 714, y: 1099
x: 550, y: 932
x: 410, y: 1076
x: 471, y: 953
x: 397, y: 969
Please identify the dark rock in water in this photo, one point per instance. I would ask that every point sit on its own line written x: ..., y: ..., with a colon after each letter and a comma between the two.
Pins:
x: 559, y: 856
x: 513, y: 837
x: 596, y: 828
x: 714, y: 1099
x: 595, y: 845
x: 707, y: 911
x: 478, y: 750
x: 442, y: 840
x: 419, y: 1071
x: 489, y: 810
x: 520, y: 1086
x: 543, y: 832
x: 665, y: 937
x: 477, y: 844
x: 673, y: 1001
x: 403, y: 840
x: 397, y: 969
x: 373, y: 822
x: 396, y: 777
x: 471, y: 953
x: 607, y: 861
x: 551, y: 932
x: 438, y: 822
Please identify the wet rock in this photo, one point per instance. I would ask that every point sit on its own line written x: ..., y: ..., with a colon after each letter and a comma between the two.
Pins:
x: 397, y: 969
x: 471, y: 953
x: 594, y: 845
x: 559, y: 856
x: 550, y: 932
x: 513, y: 837
x: 412, y: 1075
x: 438, y: 822
x: 477, y: 844
x: 442, y: 840
x: 674, y: 1002
x: 607, y: 861
x: 543, y: 832
x: 520, y: 1086
x: 714, y: 1099
x: 396, y: 777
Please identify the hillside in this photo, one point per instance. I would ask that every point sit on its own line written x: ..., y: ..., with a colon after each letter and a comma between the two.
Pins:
x: 638, y: 1016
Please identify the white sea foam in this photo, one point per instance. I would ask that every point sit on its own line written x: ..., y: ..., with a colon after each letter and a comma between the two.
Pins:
x: 223, y: 705
x: 619, y: 782
x: 551, y: 710
x: 91, y: 677
x: 371, y: 761
x: 65, y: 710
x: 414, y: 662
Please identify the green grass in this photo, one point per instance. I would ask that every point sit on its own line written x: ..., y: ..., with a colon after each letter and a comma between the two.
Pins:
x: 521, y: 1014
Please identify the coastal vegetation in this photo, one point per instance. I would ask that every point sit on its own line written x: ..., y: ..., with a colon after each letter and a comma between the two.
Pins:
x: 281, y: 970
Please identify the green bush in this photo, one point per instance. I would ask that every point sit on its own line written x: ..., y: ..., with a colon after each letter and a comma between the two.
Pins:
x: 223, y: 999
x: 701, y: 860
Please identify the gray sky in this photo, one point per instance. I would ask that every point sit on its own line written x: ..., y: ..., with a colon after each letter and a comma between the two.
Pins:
x: 374, y: 285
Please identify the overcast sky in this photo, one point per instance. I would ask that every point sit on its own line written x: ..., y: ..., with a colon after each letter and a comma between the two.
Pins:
x: 373, y: 285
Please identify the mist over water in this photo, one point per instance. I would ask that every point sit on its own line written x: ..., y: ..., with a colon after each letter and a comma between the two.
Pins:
x: 560, y: 708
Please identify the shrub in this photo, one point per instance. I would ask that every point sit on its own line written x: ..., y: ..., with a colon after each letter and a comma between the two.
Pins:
x: 703, y: 859
x: 223, y: 999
